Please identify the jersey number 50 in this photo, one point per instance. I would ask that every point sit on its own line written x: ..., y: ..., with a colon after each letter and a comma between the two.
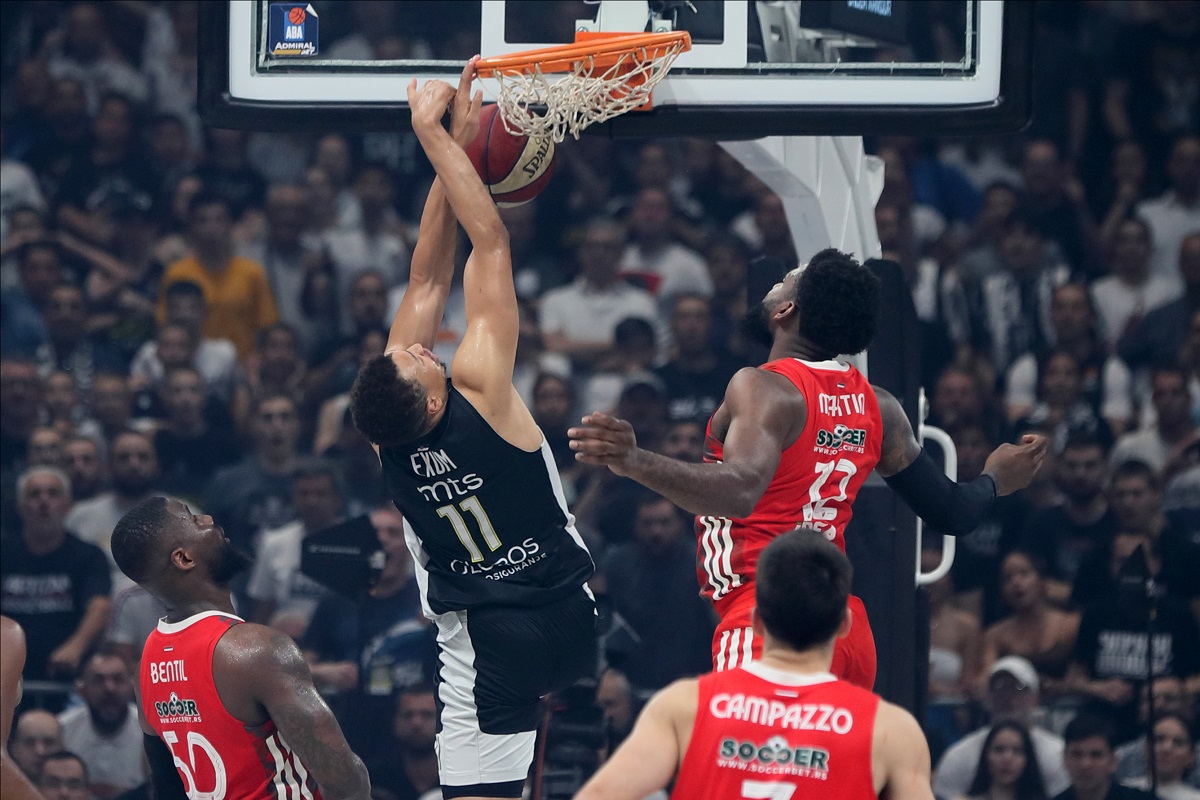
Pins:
x: 188, y: 771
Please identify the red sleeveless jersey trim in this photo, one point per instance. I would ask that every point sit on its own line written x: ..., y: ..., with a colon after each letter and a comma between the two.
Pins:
x: 218, y: 757
x: 763, y: 733
x: 816, y: 482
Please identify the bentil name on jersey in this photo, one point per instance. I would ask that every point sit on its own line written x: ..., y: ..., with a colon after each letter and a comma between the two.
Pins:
x: 777, y: 714
x: 841, y: 438
x: 777, y: 756
x: 173, y: 710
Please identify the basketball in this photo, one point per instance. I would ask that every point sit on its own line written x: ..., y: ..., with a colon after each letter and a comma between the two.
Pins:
x: 515, y: 168
x: 296, y: 15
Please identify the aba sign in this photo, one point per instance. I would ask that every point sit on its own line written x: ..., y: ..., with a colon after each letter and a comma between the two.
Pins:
x: 293, y: 30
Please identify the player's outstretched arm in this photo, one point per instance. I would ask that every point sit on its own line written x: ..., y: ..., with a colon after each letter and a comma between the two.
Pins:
x: 13, y: 783
x: 420, y: 314
x: 952, y: 508
x: 484, y: 360
x: 761, y: 426
x: 899, y: 756
x: 271, y: 668
x: 649, y: 758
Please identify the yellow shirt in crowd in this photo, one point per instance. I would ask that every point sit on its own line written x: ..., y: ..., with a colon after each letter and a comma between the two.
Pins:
x: 239, y: 299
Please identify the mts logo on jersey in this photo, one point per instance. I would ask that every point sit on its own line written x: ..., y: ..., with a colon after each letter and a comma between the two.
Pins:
x: 777, y: 755
x: 842, y: 405
x: 174, y: 710
x: 841, y: 437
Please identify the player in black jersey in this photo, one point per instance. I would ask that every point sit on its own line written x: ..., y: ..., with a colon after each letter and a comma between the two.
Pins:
x: 501, y: 567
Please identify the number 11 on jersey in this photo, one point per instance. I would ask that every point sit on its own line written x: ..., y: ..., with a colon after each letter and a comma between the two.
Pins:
x: 472, y: 506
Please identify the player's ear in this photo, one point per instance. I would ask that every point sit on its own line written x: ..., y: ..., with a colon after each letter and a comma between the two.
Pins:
x: 757, y: 624
x: 847, y: 621
x: 783, y: 311
x: 433, y: 404
x: 182, y: 559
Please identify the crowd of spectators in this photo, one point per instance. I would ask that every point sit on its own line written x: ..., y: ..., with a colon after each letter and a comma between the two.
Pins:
x: 184, y: 309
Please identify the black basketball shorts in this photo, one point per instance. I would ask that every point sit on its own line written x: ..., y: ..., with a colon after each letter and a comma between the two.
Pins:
x: 494, y: 666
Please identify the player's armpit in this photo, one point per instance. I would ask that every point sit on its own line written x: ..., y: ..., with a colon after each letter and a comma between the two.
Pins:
x: 650, y: 757
x: 900, y: 762
x: 281, y: 683
x: 900, y: 446
x: 164, y: 777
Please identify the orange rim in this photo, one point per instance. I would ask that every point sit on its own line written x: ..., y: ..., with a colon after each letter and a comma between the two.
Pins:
x: 602, y: 48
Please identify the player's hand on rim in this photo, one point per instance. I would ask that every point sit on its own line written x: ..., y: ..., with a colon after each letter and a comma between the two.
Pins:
x: 428, y: 104
x: 604, y: 439
x: 464, y: 110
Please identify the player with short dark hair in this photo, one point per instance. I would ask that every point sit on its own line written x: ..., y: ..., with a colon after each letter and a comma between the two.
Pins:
x: 781, y: 726
x: 228, y: 707
x: 791, y: 445
x: 502, y: 569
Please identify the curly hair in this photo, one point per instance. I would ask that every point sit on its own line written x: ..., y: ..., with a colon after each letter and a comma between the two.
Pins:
x: 386, y: 408
x: 136, y: 537
x: 838, y: 301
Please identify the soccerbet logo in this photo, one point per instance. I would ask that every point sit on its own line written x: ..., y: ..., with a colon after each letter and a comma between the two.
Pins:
x: 841, y: 437
x: 174, y: 710
x: 293, y: 30
x: 776, y: 757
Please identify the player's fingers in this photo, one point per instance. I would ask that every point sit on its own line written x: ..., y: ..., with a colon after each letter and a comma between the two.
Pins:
x: 602, y: 420
x: 412, y: 91
x: 477, y: 102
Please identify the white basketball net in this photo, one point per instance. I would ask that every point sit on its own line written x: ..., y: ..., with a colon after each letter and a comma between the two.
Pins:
x: 579, y: 98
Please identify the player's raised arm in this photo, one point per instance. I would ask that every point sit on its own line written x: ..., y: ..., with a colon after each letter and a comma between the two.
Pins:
x: 952, y: 508
x: 420, y: 314
x: 484, y: 360
x: 763, y: 418
x: 649, y: 758
x: 273, y: 671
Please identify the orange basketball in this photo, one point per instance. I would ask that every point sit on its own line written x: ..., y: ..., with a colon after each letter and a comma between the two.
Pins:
x: 296, y: 15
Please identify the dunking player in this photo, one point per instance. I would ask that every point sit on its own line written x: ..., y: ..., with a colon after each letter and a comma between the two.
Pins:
x: 781, y: 723
x: 500, y: 565
x: 228, y: 707
x: 791, y: 445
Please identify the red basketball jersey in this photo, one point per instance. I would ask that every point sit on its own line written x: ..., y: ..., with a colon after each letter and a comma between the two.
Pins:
x: 816, y: 482
x: 218, y: 756
x: 763, y: 733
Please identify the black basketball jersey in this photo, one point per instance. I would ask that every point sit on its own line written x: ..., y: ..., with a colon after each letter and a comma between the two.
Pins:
x: 490, y: 520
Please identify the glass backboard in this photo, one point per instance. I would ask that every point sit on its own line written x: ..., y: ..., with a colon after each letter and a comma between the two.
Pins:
x: 773, y: 67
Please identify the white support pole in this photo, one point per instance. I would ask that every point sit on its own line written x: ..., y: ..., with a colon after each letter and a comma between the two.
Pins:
x: 828, y: 185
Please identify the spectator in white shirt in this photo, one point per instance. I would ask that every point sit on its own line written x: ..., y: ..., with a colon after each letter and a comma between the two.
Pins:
x: 375, y: 242
x: 277, y: 587
x: 1123, y: 297
x: 579, y: 320
x: 104, y: 732
x: 666, y: 267
x: 214, y: 359
x: 1173, y: 424
x: 1176, y: 213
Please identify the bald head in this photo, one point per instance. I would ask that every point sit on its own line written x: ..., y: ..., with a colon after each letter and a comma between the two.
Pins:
x: 36, y: 735
x: 176, y: 555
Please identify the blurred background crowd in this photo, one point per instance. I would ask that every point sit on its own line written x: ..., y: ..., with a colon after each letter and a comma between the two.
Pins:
x: 184, y: 309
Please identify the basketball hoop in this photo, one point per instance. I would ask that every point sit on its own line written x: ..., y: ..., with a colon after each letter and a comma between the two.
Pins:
x: 600, y: 76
